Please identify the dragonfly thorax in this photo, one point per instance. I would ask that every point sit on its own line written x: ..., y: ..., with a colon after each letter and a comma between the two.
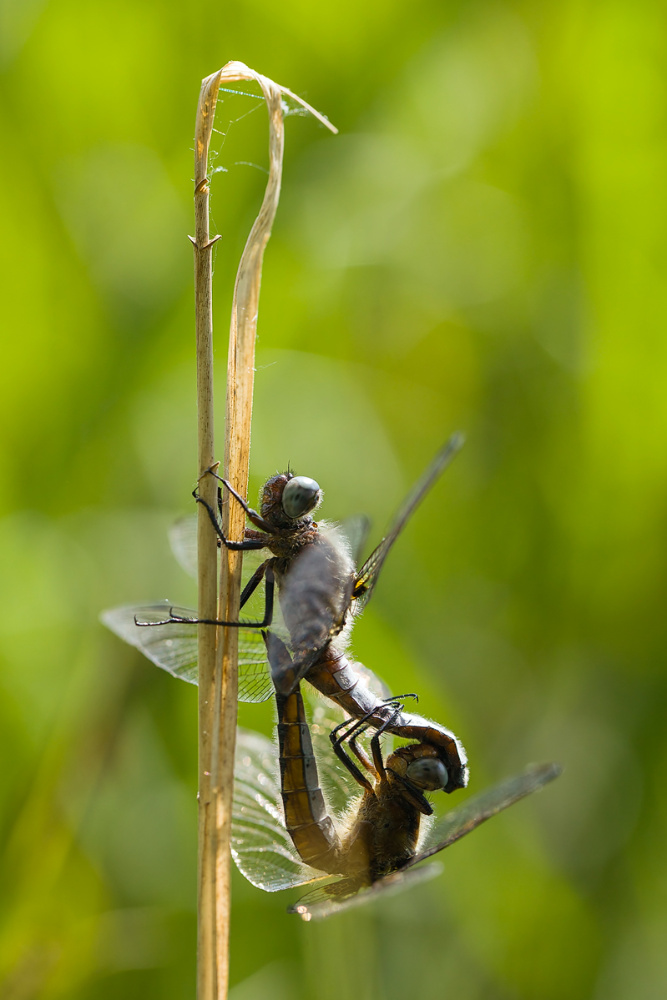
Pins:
x: 388, y: 826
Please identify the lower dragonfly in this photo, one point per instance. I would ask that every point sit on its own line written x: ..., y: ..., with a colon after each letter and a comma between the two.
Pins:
x: 283, y: 835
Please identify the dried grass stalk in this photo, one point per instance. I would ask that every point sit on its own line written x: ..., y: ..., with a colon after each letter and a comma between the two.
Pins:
x: 218, y: 647
x: 206, y: 540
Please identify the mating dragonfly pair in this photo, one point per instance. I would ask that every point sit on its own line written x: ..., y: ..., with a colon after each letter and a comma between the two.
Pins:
x: 283, y: 833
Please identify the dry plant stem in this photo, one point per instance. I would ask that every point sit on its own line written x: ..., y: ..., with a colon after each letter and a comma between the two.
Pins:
x: 219, y: 689
x: 206, y: 545
x: 240, y: 378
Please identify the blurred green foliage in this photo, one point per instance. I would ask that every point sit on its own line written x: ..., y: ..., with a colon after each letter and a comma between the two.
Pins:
x: 483, y: 247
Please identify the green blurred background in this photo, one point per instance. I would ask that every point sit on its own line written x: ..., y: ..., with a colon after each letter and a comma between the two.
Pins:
x: 481, y: 248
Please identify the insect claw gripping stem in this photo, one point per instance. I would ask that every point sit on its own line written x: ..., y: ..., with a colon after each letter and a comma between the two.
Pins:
x: 251, y: 514
x: 245, y: 546
x: 233, y: 492
x: 211, y: 471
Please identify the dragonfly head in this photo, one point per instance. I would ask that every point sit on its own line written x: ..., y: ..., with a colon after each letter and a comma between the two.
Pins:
x: 421, y: 766
x: 286, y: 498
x: 428, y: 773
x: 300, y: 496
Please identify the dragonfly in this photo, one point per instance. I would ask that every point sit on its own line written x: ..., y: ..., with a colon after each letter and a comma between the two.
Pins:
x: 284, y: 835
x: 318, y: 584
x: 320, y: 594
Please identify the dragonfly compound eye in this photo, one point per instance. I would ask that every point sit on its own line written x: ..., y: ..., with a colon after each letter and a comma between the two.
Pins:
x: 300, y: 495
x: 428, y: 773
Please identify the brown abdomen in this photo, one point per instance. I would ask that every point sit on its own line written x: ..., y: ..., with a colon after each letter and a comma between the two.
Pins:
x: 335, y: 677
x: 306, y: 819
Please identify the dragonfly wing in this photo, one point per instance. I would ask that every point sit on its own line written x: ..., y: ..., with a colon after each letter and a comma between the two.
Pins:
x: 340, y: 789
x: 355, y: 529
x: 261, y: 847
x: 254, y: 677
x: 173, y: 647
x: 343, y: 894
x: 369, y: 572
x: 477, y: 809
x: 183, y: 541
x: 372, y: 681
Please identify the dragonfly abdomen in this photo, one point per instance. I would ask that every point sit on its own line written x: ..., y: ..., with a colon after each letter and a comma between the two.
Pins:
x: 306, y: 817
x: 335, y: 677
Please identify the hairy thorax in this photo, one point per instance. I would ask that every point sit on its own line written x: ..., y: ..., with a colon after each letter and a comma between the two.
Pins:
x: 287, y: 545
x: 383, y: 834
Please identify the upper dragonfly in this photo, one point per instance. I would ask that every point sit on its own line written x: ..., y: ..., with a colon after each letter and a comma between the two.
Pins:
x: 283, y: 833
x: 318, y: 584
x: 320, y: 591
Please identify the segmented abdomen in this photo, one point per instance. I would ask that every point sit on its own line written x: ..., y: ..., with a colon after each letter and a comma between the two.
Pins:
x: 306, y: 819
x: 335, y: 677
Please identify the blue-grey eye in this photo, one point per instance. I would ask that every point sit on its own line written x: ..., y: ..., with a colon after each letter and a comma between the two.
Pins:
x: 300, y: 495
x: 428, y: 772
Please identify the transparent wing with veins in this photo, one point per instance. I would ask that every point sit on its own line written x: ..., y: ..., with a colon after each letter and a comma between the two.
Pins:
x: 183, y: 541
x: 173, y: 647
x: 356, y: 529
x: 326, y: 900
x: 478, y: 808
x: 369, y: 572
x: 322, y: 585
x: 263, y: 850
x: 344, y: 894
x: 261, y: 847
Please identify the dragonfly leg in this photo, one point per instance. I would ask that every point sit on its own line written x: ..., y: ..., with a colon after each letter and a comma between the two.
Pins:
x: 361, y: 755
x: 244, y: 546
x: 337, y: 744
x: 212, y: 471
x: 357, y: 727
x: 395, y: 702
x: 175, y: 619
x: 251, y: 514
x: 375, y: 741
x: 254, y: 581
